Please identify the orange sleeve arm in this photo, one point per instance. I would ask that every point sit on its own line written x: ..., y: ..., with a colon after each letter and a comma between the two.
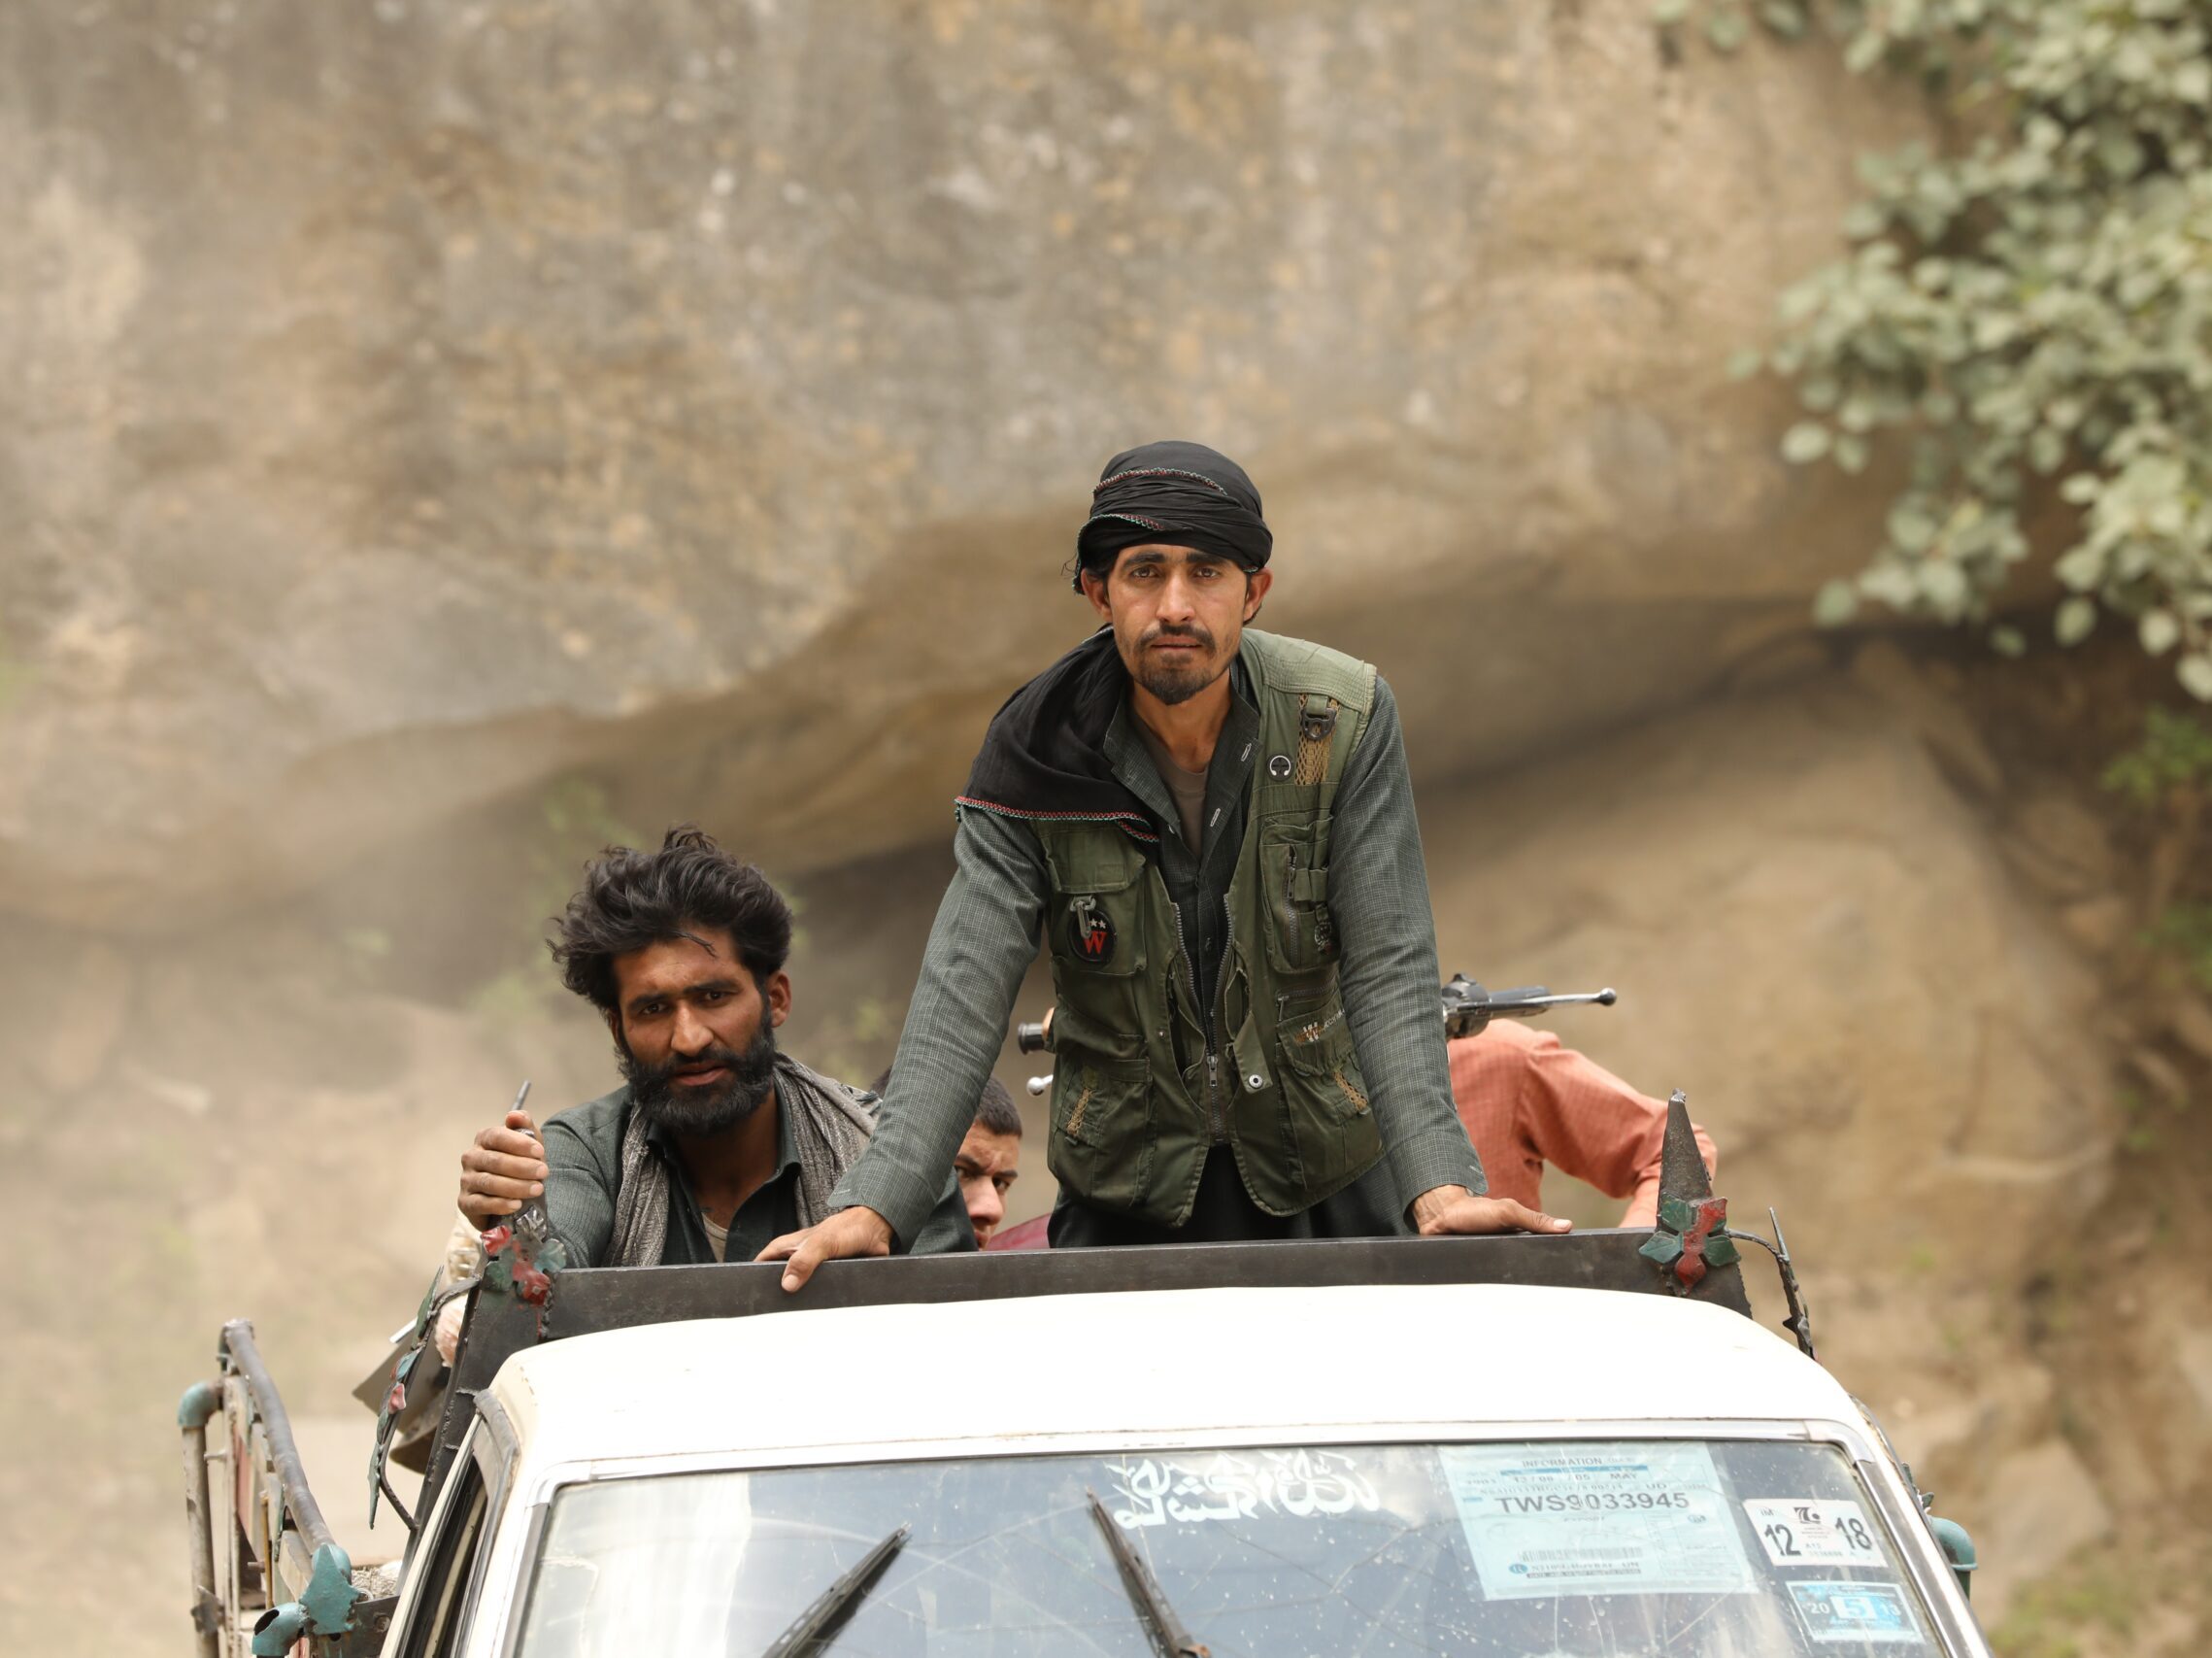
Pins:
x: 1587, y: 1123
x: 1490, y: 1084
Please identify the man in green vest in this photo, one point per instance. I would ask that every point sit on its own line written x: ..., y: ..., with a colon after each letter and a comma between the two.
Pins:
x: 1213, y: 829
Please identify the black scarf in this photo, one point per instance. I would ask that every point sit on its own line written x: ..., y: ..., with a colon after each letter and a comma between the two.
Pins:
x: 1045, y: 754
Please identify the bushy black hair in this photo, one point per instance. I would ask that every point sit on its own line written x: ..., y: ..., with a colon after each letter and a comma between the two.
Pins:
x: 995, y: 1111
x: 631, y: 900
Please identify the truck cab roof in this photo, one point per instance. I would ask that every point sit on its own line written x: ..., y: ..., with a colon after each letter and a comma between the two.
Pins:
x: 1251, y: 1365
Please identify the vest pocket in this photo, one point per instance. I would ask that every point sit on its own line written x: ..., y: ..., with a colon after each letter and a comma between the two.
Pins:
x: 1293, y: 874
x: 1333, y: 1126
x: 1094, y: 917
x: 1102, y: 1138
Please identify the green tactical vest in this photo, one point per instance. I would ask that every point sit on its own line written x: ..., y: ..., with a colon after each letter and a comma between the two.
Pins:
x: 1138, y: 1095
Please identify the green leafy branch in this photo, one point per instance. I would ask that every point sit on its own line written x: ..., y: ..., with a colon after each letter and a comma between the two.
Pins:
x: 2029, y: 308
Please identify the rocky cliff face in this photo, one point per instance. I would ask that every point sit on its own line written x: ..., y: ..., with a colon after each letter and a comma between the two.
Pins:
x: 444, y: 437
x: 414, y: 401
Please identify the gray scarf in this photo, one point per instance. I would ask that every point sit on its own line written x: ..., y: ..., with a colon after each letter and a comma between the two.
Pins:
x: 829, y: 1122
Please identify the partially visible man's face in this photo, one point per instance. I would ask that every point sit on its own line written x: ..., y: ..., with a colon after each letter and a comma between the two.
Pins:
x: 1177, y: 614
x: 986, y: 1162
x: 698, y: 1034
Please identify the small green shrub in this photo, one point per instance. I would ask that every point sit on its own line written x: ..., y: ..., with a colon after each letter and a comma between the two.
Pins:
x: 2168, y: 775
x: 2183, y: 931
x: 2175, y: 754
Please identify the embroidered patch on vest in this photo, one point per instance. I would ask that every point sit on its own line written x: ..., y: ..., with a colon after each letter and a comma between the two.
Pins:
x: 1090, y: 931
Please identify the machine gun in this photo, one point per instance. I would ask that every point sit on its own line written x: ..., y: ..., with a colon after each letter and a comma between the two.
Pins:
x: 1468, y: 1009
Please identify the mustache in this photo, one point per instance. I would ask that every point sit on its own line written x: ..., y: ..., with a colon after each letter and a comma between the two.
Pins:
x: 1191, y: 630
x: 662, y: 1075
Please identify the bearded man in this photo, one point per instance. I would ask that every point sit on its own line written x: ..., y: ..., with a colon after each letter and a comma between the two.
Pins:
x: 1213, y: 831
x: 716, y: 1142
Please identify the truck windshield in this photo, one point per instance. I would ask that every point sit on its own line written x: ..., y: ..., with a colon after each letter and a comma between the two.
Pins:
x: 1567, y: 1549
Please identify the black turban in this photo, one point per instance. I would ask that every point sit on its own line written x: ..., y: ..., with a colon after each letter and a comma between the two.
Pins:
x: 1180, y: 494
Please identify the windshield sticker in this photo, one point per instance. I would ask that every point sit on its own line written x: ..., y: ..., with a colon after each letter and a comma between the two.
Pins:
x: 1303, y: 1485
x: 1595, y: 1519
x: 1810, y: 1531
x: 1845, y: 1611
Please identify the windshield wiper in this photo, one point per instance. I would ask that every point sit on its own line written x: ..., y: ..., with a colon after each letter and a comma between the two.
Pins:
x: 813, y: 1630
x: 1169, y: 1638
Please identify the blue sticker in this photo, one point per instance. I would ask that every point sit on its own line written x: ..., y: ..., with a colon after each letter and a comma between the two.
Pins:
x: 1841, y: 1610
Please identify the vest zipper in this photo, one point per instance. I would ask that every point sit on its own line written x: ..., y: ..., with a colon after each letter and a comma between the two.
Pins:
x: 1220, y: 990
x: 1183, y: 949
x: 1212, y: 1058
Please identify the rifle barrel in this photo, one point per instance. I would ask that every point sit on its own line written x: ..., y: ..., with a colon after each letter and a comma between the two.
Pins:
x: 1511, y: 1005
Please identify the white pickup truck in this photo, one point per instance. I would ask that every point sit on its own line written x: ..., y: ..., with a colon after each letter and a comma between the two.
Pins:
x: 1465, y: 1446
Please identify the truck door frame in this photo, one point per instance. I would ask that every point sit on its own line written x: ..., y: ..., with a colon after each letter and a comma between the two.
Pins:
x: 446, y: 1568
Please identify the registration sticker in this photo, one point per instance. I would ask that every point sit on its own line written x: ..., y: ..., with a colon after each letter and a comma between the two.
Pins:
x: 1808, y: 1531
x: 1845, y: 1611
x: 1598, y: 1518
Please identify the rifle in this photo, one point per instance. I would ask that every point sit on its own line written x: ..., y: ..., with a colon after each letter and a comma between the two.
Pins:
x: 1468, y: 1008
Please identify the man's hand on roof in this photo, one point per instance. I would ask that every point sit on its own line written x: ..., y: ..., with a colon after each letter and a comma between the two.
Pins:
x: 1454, y: 1210
x: 502, y: 1170
x: 857, y: 1230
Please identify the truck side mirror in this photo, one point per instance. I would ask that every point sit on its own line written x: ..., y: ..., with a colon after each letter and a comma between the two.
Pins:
x: 1958, y: 1550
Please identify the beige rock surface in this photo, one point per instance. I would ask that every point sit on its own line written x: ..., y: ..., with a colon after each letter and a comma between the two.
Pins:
x: 2193, y: 1355
x: 2044, y: 1506
x: 1812, y: 940
x: 418, y: 400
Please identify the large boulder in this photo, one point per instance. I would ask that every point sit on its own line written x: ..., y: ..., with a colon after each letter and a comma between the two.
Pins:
x: 414, y: 401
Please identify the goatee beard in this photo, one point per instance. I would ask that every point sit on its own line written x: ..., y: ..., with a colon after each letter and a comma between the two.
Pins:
x: 670, y: 1105
x: 1176, y: 685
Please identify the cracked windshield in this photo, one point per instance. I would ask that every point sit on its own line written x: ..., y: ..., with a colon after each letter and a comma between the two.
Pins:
x: 1569, y: 1549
